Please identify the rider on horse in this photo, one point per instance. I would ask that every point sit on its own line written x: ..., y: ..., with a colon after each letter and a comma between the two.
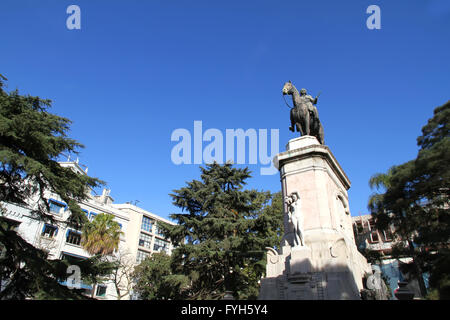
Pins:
x: 310, y: 102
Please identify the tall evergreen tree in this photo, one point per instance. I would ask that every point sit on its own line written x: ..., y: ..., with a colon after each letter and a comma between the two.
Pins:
x: 222, y: 235
x: 31, y: 140
x: 416, y: 198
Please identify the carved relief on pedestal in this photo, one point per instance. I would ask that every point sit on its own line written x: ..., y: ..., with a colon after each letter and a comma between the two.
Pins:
x: 272, y: 255
x: 342, y: 211
x: 273, y: 259
x: 339, y: 249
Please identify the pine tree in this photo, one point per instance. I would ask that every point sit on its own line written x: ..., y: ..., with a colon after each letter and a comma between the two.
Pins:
x: 222, y: 235
x: 416, y: 199
x: 154, y: 279
x: 31, y: 140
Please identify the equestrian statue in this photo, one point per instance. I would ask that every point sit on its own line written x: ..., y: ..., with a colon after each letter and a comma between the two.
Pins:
x: 304, y: 114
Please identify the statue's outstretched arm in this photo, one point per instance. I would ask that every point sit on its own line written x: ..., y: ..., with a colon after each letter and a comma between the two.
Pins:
x: 317, y: 97
x: 311, y: 99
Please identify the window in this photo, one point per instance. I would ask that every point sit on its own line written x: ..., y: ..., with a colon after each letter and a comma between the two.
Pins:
x: 49, y: 231
x: 388, y: 236
x: 55, y: 206
x: 374, y: 236
x: 373, y: 231
x: 159, y: 231
x: 86, y: 212
x: 365, y: 227
x: 141, y: 255
x: 73, y: 237
x: 72, y: 258
x: 145, y: 240
x: 147, y: 224
x: 161, y: 245
x: 101, y: 291
x: 92, y: 215
x: 359, y: 227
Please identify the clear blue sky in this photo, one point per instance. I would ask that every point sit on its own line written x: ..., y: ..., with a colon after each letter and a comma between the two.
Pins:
x: 137, y: 70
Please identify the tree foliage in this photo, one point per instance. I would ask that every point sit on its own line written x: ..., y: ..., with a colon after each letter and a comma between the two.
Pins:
x: 155, y: 280
x: 222, y: 233
x: 416, y: 195
x: 101, y: 236
x: 31, y: 140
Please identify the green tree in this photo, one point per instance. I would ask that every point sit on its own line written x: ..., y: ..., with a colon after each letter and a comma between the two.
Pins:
x: 101, y: 236
x: 154, y: 279
x: 416, y: 199
x: 221, y: 237
x: 31, y: 140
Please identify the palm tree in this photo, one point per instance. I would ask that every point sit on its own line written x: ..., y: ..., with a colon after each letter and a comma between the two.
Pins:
x: 101, y: 236
x: 379, y: 181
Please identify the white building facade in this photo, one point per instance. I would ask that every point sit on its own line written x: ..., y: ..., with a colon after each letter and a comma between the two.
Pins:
x: 141, y: 235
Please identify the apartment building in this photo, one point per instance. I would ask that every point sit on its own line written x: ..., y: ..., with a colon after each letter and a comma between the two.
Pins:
x: 144, y: 234
x: 368, y: 237
x: 141, y: 234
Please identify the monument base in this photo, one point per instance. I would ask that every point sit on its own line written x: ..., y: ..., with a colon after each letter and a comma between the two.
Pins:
x: 328, y: 271
x: 329, y: 266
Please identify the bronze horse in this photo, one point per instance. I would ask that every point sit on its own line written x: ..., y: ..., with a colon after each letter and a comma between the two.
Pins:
x: 304, y: 115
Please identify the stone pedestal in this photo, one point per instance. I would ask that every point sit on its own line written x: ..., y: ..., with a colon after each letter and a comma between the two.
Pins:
x: 329, y: 265
x: 300, y: 260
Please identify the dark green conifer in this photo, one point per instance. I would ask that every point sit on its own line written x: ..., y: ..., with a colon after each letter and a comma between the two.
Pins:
x: 416, y: 202
x: 31, y: 140
x: 222, y: 233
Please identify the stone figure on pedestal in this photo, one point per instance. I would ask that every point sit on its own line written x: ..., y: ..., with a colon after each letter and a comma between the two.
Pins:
x: 295, y: 218
x: 330, y: 267
x: 304, y: 115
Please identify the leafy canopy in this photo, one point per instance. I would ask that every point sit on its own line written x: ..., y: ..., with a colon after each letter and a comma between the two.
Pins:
x: 31, y: 140
x: 101, y: 236
x: 155, y: 280
x: 222, y: 233
x: 416, y: 197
